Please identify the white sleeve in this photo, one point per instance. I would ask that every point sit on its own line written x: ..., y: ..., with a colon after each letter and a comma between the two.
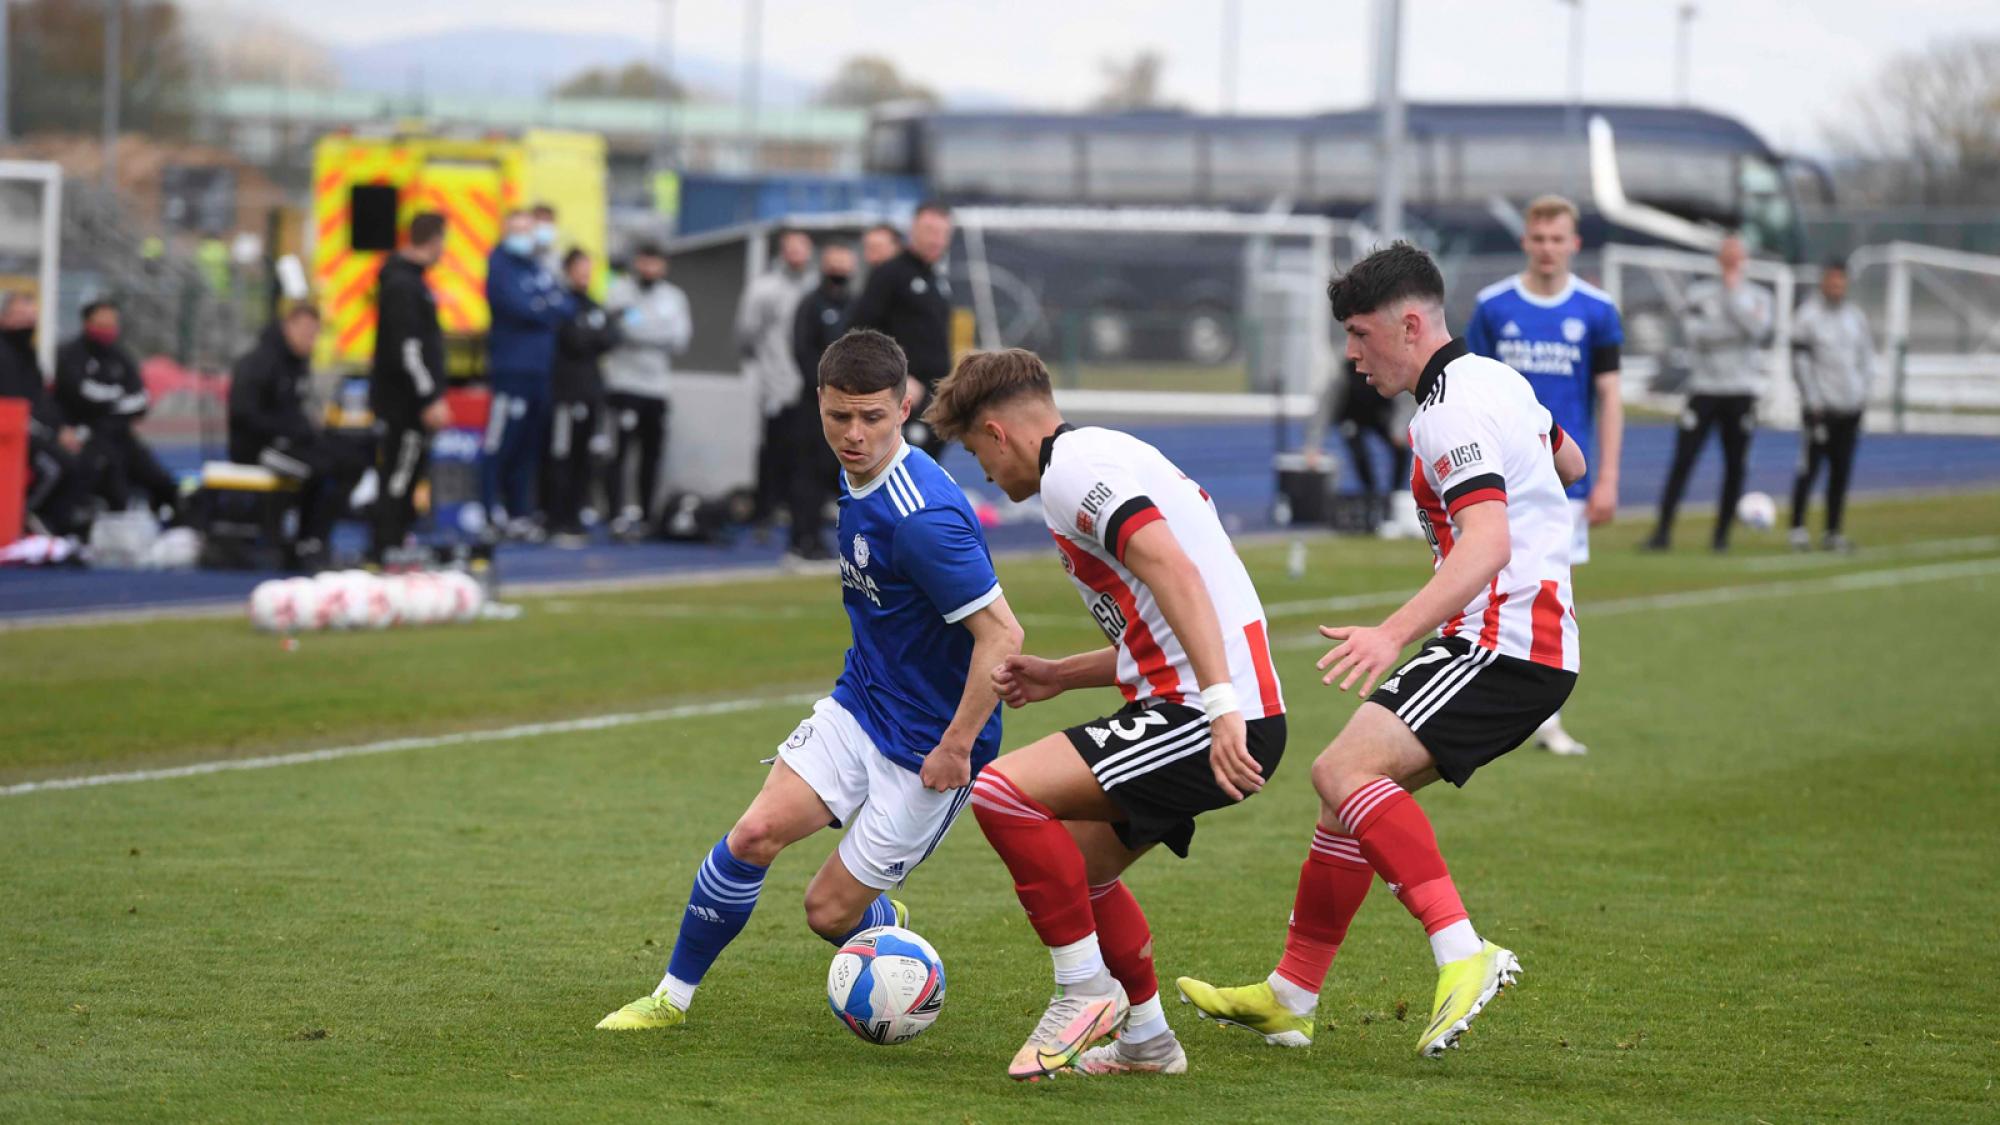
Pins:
x: 1098, y: 501
x: 1465, y: 456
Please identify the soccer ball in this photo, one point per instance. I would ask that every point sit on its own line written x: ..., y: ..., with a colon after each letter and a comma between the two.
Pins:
x: 1757, y: 511
x: 886, y: 985
x: 274, y: 605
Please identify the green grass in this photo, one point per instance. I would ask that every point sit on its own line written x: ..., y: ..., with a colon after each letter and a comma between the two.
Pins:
x: 1765, y: 895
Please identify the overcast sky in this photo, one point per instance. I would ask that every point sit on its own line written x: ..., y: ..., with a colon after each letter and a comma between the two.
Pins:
x: 1785, y: 67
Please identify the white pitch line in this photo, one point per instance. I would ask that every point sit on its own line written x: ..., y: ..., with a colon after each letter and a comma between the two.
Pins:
x: 1727, y: 595
x: 1861, y: 580
x: 395, y: 745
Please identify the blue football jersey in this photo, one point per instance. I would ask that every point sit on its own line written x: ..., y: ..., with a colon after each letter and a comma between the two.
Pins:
x: 1559, y: 344
x: 913, y: 565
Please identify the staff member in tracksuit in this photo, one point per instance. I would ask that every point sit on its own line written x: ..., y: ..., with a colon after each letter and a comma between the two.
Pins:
x: 814, y: 471
x: 574, y: 437
x: 405, y: 381
x: 1833, y: 360
x: 1727, y: 322
x: 269, y: 391
x: 909, y: 299
x: 764, y: 337
x: 100, y: 392
x: 529, y: 306
x: 654, y: 320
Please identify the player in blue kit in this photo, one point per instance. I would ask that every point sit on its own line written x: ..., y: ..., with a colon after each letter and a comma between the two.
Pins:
x: 1563, y: 335
x: 891, y: 754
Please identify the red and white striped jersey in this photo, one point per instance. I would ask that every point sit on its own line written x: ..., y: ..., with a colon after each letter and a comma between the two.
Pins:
x: 1099, y: 487
x: 1479, y: 434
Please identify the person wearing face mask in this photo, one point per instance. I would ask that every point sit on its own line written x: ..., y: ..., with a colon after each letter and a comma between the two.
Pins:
x: 58, y: 486
x: 529, y: 307
x: 579, y: 396
x: 810, y: 482
x: 908, y: 297
x: 764, y: 336
x: 655, y: 324
x: 100, y: 393
x: 546, y: 236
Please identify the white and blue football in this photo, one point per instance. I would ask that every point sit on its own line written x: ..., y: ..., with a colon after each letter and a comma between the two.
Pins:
x: 886, y: 985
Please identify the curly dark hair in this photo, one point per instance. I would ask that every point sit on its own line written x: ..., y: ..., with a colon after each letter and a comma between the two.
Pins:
x: 1396, y: 272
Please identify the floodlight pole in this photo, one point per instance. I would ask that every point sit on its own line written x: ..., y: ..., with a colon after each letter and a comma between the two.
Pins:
x: 669, y: 125
x: 5, y: 133
x: 1231, y: 24
x: 1683, y: 54
x: 114, y: 21
x: 753, y: 49
x: 1389, y: 111
x: 1573, y: 115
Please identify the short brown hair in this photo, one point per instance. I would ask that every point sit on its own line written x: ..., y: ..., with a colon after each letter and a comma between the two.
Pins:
x: 863, y: 362
x: 1546, y: 207
x: 982, y: 380
x: 427, y: 227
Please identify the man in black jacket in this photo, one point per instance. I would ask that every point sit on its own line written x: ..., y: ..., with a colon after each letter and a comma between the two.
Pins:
x: 811, y: 478
x: 909, y: 300
x: 100, y: 393
x: 406, y: 380
x: 269, y: 391
x: 574, y: 440
x: 58, y: 485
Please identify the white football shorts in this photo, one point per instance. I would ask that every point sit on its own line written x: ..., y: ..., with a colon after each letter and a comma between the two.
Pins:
x: 893, y: 823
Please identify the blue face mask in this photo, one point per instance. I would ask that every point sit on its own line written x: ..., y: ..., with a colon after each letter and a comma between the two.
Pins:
x: 521, y: 244
x: 545, y: 235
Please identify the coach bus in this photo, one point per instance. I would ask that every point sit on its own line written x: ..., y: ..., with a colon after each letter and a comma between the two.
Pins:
x: 1460, y: 159
x: 1469, y: 169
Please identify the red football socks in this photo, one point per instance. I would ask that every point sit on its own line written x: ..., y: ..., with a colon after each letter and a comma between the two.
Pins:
x: 1332, y: 883
x: 1125, y: 939
x: 1396, y: 839
x: 1041, y: 855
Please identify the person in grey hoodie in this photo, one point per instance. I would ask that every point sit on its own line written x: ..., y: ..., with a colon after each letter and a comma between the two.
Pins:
x: 1727, y: 322
x: 764, y: 339
x: 1833, y: 361
x: 655, y: 326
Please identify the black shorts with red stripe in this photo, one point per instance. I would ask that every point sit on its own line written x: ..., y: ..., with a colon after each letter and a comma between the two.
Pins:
x: 1469, y: 705
x: 1152, y: 760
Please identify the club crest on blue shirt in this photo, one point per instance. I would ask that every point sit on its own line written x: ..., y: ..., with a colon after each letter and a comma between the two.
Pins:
x: 1573, y: 330
x: 860, y: 551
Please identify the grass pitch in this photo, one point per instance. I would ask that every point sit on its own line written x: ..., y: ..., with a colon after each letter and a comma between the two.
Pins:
x: 1767, y: 894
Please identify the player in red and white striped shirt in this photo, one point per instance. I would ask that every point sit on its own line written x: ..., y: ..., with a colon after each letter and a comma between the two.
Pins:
x: 1203, y: 723
x: 1489, y: 478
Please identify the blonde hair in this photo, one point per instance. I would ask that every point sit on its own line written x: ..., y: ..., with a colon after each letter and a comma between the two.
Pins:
x: 984, y: 379
x: 1546, y: 207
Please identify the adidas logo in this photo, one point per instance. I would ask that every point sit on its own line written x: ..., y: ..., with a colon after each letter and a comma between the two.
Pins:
x: 704, y: 913
x: 1393, y: 684
x: 1511, y: 329
x: 896, y: 869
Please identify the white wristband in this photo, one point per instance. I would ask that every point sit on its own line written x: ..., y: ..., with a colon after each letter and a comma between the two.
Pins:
x: 1219, y: 700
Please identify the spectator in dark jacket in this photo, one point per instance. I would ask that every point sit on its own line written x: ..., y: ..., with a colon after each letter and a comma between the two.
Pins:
x: 575, y: 440
x: 58, y: 487
x: 529, y: 307
x: 100, y: 393
x: 270, y: 390
x: 812, y: 466
x: 909, y: 299
x: 405, y: 381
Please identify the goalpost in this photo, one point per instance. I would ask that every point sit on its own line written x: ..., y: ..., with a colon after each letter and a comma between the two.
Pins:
x: 31, y: 239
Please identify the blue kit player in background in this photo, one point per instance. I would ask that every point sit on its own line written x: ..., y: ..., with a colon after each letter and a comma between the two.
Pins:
x: 891, y: 754
x: 1563, y: 335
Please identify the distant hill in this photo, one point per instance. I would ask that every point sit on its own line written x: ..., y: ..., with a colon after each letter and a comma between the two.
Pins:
x: 513, y: 60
